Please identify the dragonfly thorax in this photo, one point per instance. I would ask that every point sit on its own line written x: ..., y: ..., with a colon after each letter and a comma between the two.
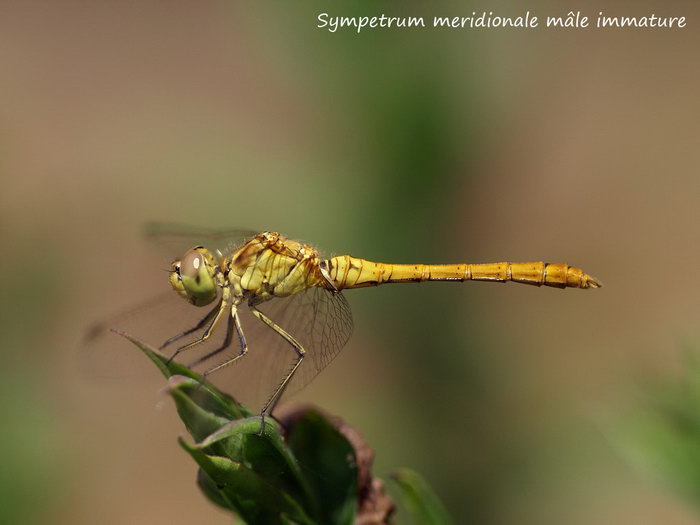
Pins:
x: 269, y: 265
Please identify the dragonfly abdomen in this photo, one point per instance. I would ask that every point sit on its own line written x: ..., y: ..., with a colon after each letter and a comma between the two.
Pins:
x: 351, y: 272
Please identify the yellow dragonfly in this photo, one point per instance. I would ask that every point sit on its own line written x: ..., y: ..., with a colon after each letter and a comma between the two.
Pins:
x: 284, y: 304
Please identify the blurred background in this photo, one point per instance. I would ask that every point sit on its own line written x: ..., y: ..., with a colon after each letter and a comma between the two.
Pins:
x: 431, y: 146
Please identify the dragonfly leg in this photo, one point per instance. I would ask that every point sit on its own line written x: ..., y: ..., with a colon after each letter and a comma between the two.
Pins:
x: 272, y: 401
x: 223, y: 306
x: 233, y: 323
x: 196, y: 327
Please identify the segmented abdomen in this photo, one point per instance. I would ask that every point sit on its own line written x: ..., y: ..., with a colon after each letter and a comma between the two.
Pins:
x: 351, y: 272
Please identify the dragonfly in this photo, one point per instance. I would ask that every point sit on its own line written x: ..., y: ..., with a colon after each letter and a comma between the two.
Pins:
x: 276, y: 307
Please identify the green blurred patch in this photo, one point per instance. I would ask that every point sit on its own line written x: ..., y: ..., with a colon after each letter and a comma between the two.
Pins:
x: 661, y: 435
x: 35, y: 467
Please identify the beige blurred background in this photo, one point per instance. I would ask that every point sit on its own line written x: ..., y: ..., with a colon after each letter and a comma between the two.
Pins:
x: 405, y: 146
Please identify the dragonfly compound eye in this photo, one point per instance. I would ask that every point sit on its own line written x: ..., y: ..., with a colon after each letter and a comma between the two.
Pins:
x: 191, y: 264
x: 193, y: 277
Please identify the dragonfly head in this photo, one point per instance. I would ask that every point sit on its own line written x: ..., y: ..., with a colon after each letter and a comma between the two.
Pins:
x: 193, y: 276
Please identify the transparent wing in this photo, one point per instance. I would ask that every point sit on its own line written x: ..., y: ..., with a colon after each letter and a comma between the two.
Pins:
x: 104, y: 356
x: 175, y: 239
x: 320, y: 320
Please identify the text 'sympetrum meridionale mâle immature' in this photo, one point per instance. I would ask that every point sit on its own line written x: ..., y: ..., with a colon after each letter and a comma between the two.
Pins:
x: 278, y: 298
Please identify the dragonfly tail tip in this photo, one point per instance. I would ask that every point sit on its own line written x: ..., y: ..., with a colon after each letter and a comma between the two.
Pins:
x: 592, y: 282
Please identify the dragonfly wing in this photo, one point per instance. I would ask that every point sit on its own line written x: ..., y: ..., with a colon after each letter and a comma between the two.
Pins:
x: 175, y: 239
x: 104, y: 356
x: 320, y: 320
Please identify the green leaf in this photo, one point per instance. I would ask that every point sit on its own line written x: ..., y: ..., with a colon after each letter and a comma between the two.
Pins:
x: 240, y: 441
x: 328, y: 462
x: 311, y: 477
x: 268, y: 455
x: 420, y: 501
x: 253, y: 498
x: 208, y: 396
x: 211, y: 491
x: 193, y: 406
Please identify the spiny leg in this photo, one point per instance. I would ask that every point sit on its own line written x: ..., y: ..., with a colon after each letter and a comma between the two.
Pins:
x: 224, y: 346
x: 272, y: 401
x: 196, y: 327
x: 223, y: 305
x: 234, y: 322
